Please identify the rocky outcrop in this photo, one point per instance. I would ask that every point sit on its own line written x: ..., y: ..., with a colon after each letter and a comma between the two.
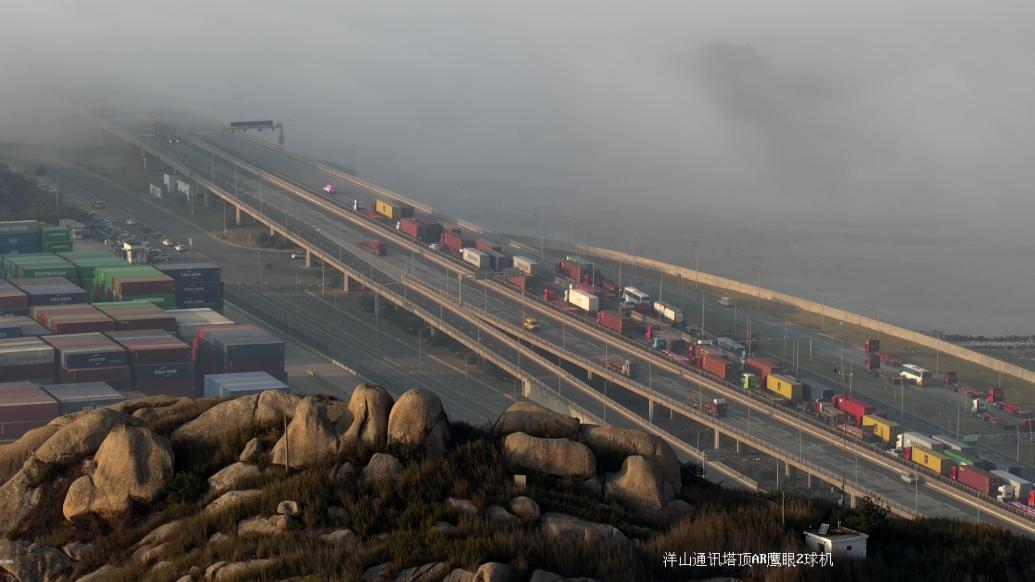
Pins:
x: 535, y: 420
x: 260, y: 525
x: 501, y: 516
x: 33, y: 562
x: 525, y: 508
x: 559, y: 526
x: 612, y: 445
x: 339, y: 537
x: 156, y: 401
x: 81, y: 437
x: 237, y: 570
x: 459, y: 575
x: 418, y: 420
x: 230, y: 499
x: 20, y: 497
x: 464, y: 506
x: 230, y: 477
x: 15, y: 454
x: 558, y: 457
x: 370, y: 406
x: 495, y: 572
x: 433, y: 572
x: 132, y: 466
x: 381, y: 466
x: 76, y: 550
x: 228, y: 418
x: 309, y: 438
x: 639, y: 483
x: 252, y: 452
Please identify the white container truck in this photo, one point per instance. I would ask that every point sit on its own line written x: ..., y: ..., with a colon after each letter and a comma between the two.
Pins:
x: 909, y: 439
x: 1019, y: 485
x: 668, y: 312
x: 526, y: 265
x: 475, y: 257
x: 582, y: 300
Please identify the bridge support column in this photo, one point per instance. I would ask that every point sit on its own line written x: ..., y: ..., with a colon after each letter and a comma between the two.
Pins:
x: 650, y: 410
x: 808, y: 480
x: 308, y: 259
x: 738, y: 445
x: 718, y: 438
x: 851, y: 501
x: 237, y: 216
x: 786, y: 469
x: 350, y: 284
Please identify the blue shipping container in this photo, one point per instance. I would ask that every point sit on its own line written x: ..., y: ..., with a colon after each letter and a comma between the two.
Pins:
x: 100, y: 358
x: 172, y: 371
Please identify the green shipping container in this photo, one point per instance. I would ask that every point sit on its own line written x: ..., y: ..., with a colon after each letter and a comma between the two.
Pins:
x: 55, y: 233
x: 163, y: 301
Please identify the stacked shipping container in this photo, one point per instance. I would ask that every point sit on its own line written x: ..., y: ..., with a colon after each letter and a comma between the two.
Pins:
x: 19, y: 237
x: 188, y: 321
x: 241, y: 384
x: 50, y: 291
x: 74, y: 318
x: 23, y: 407
x: 159, y: 363
x: 54, y: 239
x: 83, y: 396
x: 26, y: 358
x: 134, y: 283
x: 238, y: 348
x: 36, y: 265
x: 197, y: 285
x: 90, y: 357
x: 13, y: 301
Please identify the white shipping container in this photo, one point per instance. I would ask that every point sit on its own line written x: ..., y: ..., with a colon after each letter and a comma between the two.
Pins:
x: 909, y: 439
x: 1020, y: 485
x: 668, y: 312
x: 526, y: 265
x: 475, y: 257
x: 582, y: 300
x: 951, y: 443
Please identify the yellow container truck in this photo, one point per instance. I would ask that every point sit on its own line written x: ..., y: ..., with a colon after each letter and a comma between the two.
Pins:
x: 788, y: 387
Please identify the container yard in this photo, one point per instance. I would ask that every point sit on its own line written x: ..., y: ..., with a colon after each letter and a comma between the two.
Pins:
x: 37, y: 265
x: 50, y: 291
x: 26, y: 358
x: 241, y: 384
x: 23, y: 407
x: 159, y: 362
x: 85, y: 396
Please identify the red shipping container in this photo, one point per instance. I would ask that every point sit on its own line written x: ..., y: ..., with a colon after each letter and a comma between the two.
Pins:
x: 550, y: 294
x: 995, y: 394
x: 116, y: 376
x: 484, y: 245
x: 152, y: 347
x: 614, y: 321
x: 569, y: 269
x: 907, y: 453
x: 979, y: 479
x: 12, y: 297
x: 453, y: 241
x: 762, y: 366
x: 173, y: 387
x: 24, y: 401
x: 523, y: 282
x: 719, y: 366
x: 853, y: 407
x: 872, y: 362
x: 413, y: 227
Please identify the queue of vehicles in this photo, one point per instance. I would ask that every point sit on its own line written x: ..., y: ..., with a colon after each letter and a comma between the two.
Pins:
x: 661, y: 326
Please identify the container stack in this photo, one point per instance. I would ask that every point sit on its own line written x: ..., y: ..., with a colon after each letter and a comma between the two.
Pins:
x: 50, y: 291
x: 238, y: 348
x: 18, y: 237
x: 37, y: 265
x: 87, y: 263
x: 55, y: 239
x: 136, y: 315
x: 160, y: 363
x: 22, y: 326
x: 241, y: 384
x: 13, y: 301
x: 197, y: 284
x: 23, y: 407
x: 188, y: 321
x: 74, y: 318
x: 134, y: 283
x: 26, y: 358
x: 83, y: 396
x: 90, y: 357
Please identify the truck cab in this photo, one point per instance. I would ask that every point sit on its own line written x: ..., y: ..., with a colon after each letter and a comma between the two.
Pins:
x: 749, y: 381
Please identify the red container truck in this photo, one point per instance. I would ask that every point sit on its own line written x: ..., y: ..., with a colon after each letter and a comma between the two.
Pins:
x: 374, y: 246
x: 977, y: 478
x: 523, y: 282
x: 995, y: 394
x: 615, y: 322
x: 853, y: 407
x: 550, y: 294
x: 720, y: 366
x: 569, y: 269
x: 484, y: 245
x: 871, y: 346
x: 454, y: 241
x: 872, y: 362
x: 762, y: 366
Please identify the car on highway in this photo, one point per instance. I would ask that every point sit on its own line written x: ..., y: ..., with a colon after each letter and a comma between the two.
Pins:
x: 168, y: 242
x: 131, y: 221
x: 99, y: 204
x: 330, y: 188
x: 298, y: 255
x: 181, y: 248
x: 434, y: 246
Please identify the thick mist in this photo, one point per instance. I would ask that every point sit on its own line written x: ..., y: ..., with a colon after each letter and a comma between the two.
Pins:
x: 874, y: 152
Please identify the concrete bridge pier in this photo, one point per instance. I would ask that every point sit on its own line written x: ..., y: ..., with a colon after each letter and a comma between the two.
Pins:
x: 308, y: 259
x: 718, y: 439
x: 150, y: 161
x: 237, y: 216
x: 808, y: 480
x: 738, y: 446
x: 786, y: 469
x: 350, y: 284
x: 650, y: 410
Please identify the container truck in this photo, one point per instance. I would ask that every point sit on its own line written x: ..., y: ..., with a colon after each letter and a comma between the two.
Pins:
x: 498, y: 261
x: 484, y: 245
x: 420, y: 230
x: 716, y: 407
x: 871, y: 346
x: 788, y: 387
x: 912, y: 439
x: 931, y: 459
x: 1019, y: 486
x: 476, y: 258
x: 627, y: 368
x: 762, y: 366
x: 455, y: 242
x: 614, y: 321
x: 668, y: 312
x: 374, y: 246
x: 393, y: 210
x: 584, y: 301
x: 886, y: 430
x: 853, y: 407
x: 720, y: 366
x: 526, y: 265
x: 523, y: 282
x: 975, y: 478
x: 951, y: 443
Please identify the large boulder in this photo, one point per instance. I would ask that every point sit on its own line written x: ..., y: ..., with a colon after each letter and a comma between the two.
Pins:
x: 418, y: 420
x: 81, y: 437
x: 228, y: 418
x: 230, y: 477
x: 559, y: 526
x: 525, y: 507
x: 369, y: 406
x: 433, y: 572
x: 533, y: 419
x: 558, y: 457
x: 495, y: 572
x: 13, y: 454
x: 640, y: 483
x: 132, y: 466
x: 155, y: 401
x: 247, y: 569
x: 309, y: 438
x: 611, y: 444
x: 20, y: 498
x: 27, y: 561
x: 231, y: 499
x: 381, y: 466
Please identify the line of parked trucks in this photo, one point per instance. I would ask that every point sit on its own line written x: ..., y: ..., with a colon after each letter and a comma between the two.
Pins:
x: 661, y: 326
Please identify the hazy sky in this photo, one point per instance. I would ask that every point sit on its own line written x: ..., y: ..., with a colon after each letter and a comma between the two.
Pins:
x: 760, y: 118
